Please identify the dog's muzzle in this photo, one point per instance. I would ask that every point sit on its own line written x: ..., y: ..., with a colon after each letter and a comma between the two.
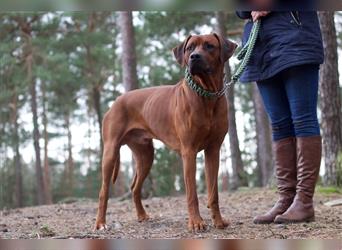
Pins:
x: 197, y: 65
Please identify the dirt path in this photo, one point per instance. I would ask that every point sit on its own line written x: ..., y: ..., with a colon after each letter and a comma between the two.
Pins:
x: 169, y: 216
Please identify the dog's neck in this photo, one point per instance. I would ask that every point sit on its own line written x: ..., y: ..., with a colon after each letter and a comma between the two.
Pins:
x: 212, y: 82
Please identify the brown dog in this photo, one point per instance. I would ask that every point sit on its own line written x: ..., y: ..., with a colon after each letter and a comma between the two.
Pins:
x: 179, y: 117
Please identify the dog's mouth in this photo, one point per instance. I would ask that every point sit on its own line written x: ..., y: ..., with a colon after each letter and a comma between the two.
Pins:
x: 198, y: 67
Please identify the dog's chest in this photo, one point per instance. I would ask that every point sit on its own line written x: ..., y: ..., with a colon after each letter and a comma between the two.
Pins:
x: 201, y: 124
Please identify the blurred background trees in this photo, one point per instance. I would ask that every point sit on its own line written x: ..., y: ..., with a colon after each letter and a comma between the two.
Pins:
x: 61, y: 71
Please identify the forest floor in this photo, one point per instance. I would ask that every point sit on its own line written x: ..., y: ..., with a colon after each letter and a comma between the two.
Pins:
x: 168, y: 219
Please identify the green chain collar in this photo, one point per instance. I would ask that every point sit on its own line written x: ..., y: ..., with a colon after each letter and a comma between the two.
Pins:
x: 198, y: 89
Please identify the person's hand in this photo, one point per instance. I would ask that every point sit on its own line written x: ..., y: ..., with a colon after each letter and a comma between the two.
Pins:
x: 258, y: 14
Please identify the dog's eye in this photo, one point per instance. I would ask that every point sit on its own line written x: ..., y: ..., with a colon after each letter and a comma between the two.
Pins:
x: 190, y: 48
x: 209, y: 46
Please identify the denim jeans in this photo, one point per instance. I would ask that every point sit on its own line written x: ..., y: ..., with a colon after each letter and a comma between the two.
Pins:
x: 290, y: 99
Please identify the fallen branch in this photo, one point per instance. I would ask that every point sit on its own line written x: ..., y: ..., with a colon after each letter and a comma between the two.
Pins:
x: 126, y: 196
x: 274, y: 235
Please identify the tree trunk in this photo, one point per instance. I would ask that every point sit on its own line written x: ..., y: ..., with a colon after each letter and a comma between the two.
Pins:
x: 89, y: 183
x: 70, y: 160
x: 97, y: 106
x: 264, y: 140
x: 17, y: 162
x: 330, y: 101
x: 47, y: 181
x: 225, y: 173
x: 96, y: 85
x: 36, y: 135
x: 180, y: 174
x: 119, y: 189
x: 129, y: 61
x: 238, y: 176
x: 129, y: 67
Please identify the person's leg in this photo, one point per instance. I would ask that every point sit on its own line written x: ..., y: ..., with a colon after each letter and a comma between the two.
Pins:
x: 284, y: 146
x: 277, y: 106
x: 301, y: 84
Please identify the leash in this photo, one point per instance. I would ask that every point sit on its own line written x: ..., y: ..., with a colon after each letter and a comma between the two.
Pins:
x: 244, y: 56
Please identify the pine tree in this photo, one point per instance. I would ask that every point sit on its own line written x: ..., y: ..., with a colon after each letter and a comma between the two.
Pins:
x: 330, y: 102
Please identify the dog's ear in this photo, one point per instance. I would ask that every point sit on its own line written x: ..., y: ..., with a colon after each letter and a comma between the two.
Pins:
x: 179, y: 51
x: 227, y: 48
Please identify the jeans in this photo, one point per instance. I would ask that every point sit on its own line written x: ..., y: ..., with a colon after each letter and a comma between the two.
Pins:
x: 290, y: 99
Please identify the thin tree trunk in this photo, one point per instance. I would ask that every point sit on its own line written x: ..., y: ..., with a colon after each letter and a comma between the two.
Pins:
x: 47, y: 181
x: 174, y: 168
x: 96, y: 85
x: 119, y: 189
x: 180, y: 174
x: 36, y: 135
x: 97, y: 106
x: 89, y: 183
x: 70, y: 160
x: 17, y: 162
x: 330, y: 101
x: 238, y: 175
x: 129, y: 61
x: 264, y: 140
x: 26, y: 30
x: 225, y: 174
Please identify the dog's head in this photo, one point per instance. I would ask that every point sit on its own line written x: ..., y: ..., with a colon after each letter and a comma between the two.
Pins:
x: 204, y: 54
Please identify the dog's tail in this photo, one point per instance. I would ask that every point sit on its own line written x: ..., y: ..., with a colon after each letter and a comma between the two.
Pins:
x: 116, y: 168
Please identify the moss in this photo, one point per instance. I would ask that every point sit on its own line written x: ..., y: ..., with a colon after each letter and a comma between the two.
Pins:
x: 328, y: 190
x: 339, y: 170
x: 45, y: 231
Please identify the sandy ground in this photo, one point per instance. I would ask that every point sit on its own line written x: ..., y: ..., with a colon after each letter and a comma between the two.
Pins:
x: 168, y: 219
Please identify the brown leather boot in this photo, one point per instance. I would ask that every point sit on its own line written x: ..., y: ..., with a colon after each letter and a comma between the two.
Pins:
x: 286, y: 174
x: 309, y: 150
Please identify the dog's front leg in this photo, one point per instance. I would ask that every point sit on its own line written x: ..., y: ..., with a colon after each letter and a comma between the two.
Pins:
x: 195, y: 223
x: 212, y: 159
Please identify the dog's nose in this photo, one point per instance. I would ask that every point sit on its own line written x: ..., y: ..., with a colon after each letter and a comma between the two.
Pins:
x: 195, y: 56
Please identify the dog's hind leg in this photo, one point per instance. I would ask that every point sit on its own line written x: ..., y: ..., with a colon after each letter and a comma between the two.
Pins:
x: 110, y: 160
x: 143, y: 155
x: 112, y: 131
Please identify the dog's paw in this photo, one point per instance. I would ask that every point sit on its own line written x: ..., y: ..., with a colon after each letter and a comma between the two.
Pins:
x: 221, y: 224
x: 196, y: 224
x: 101, y: 227
x: 143, y: 217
